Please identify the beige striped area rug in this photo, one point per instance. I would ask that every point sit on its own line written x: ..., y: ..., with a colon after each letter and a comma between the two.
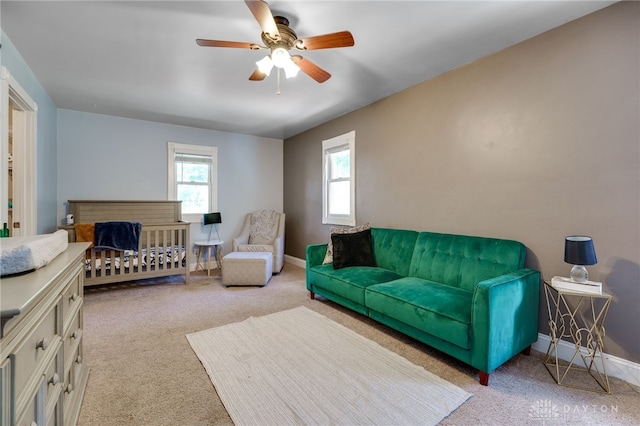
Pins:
x: 297, y: 367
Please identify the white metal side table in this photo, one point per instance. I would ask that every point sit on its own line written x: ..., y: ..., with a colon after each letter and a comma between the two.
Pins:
x: 580, y: 317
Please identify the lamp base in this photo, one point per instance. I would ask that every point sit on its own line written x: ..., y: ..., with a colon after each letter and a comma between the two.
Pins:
x: 210, y: 229
x: 579, y: 274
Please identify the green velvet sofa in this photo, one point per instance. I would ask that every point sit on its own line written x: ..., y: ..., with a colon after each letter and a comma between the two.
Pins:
x: 469, y: 297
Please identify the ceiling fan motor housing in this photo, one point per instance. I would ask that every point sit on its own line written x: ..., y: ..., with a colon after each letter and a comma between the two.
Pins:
x: 287, y: 35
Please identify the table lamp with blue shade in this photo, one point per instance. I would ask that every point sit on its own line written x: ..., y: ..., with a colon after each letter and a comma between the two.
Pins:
x: 579, y: 251
x: 212, y: 219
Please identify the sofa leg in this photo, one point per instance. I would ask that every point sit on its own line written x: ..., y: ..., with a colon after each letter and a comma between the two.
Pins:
x: 527, y: 351
x: 312, y: 295
x: 484, y: 378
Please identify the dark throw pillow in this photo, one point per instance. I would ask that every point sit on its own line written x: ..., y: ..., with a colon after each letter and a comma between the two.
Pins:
x: 352, y: 249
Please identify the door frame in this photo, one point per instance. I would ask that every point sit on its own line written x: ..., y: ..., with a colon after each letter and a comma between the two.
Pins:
x: 24, y: 122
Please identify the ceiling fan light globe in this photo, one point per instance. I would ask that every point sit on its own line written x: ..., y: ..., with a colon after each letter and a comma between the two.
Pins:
x: 265, y: 65
x: 291, y: 70
x: 280, y: 57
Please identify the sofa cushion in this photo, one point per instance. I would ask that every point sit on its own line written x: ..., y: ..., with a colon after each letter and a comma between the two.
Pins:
x: 352, y: 249
x: 349, y: 282
x: 462, y: 260
x: 441, y: 310
x: 328, y: 257
x: 393, y: 248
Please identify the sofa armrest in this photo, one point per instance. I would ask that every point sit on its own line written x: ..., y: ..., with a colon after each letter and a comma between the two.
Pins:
x: 504, y: 318
x: 315, y: 254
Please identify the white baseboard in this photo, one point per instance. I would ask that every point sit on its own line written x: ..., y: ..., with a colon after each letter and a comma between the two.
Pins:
x: 295, y: 261
x: 615, y: 366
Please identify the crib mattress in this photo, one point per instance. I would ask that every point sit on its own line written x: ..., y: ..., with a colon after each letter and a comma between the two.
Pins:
x: 154, y: 257
x: 22, y: 254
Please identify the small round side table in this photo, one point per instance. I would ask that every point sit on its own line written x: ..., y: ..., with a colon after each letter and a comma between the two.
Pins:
x: 208, y: 245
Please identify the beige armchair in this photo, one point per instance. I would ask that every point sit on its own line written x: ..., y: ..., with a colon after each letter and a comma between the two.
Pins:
x: 263, y: 230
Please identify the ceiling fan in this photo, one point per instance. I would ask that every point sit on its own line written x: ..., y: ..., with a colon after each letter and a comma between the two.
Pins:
x: 280, y: 38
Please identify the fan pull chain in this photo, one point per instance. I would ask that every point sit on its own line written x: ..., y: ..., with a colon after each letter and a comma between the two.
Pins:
x: 278, y: 79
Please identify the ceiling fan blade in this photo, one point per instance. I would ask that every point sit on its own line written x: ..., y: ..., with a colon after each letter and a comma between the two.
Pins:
x: 311, y: 69
x: 263, y: 15
x: 326, y: 41
x: 224, y: 43
x: 257, y: 75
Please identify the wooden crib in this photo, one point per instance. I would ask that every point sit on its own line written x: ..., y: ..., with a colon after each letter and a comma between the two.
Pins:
x: 164, y: 247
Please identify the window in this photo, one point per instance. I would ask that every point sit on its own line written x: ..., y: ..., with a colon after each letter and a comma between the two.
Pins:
x: 338, y: 180
x: 193, y: 178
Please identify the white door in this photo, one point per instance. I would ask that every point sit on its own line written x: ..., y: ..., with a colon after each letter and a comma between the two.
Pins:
x: 17, y: 158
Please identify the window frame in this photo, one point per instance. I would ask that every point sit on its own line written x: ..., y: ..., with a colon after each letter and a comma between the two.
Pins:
x: 329, y: 146
x: 174, y: 148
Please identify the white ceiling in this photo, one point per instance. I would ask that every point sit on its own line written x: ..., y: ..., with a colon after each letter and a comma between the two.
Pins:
x: 139, y: 59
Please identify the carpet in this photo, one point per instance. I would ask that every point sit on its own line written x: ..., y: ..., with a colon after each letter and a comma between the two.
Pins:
x: 299, y: 367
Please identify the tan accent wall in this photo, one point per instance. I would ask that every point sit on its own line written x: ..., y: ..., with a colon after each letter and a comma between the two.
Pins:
x: 533, y: 143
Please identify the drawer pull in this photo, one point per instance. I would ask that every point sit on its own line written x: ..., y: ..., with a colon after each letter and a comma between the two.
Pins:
x: 55, y: 379
x: 69, y: 388
x: 74, y: 297
x: 75, y: 334
x: 42, y: 344
x: 79, y: 359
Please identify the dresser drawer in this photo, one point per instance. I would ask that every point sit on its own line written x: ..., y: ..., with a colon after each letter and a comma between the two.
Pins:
x: 72, y: 340
x: 54, y: 417
x: 75, y: 384
x: 5, y: 392
x: 30, y: 416
x: 72, y: 296
x: 41, y: 405
x: 38, y: 344
x: 70, y: 385
x: 54, y: 380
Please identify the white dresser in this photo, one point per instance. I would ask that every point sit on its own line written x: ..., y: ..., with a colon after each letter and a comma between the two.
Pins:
x: 42, y: 370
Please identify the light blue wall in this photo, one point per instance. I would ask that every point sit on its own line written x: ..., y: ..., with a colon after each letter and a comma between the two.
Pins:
x: 102, y: 157
x: 46, y: 169
x: 91, y: 156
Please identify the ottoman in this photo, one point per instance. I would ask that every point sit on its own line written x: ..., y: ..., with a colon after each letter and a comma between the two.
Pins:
x: 247, y: 268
